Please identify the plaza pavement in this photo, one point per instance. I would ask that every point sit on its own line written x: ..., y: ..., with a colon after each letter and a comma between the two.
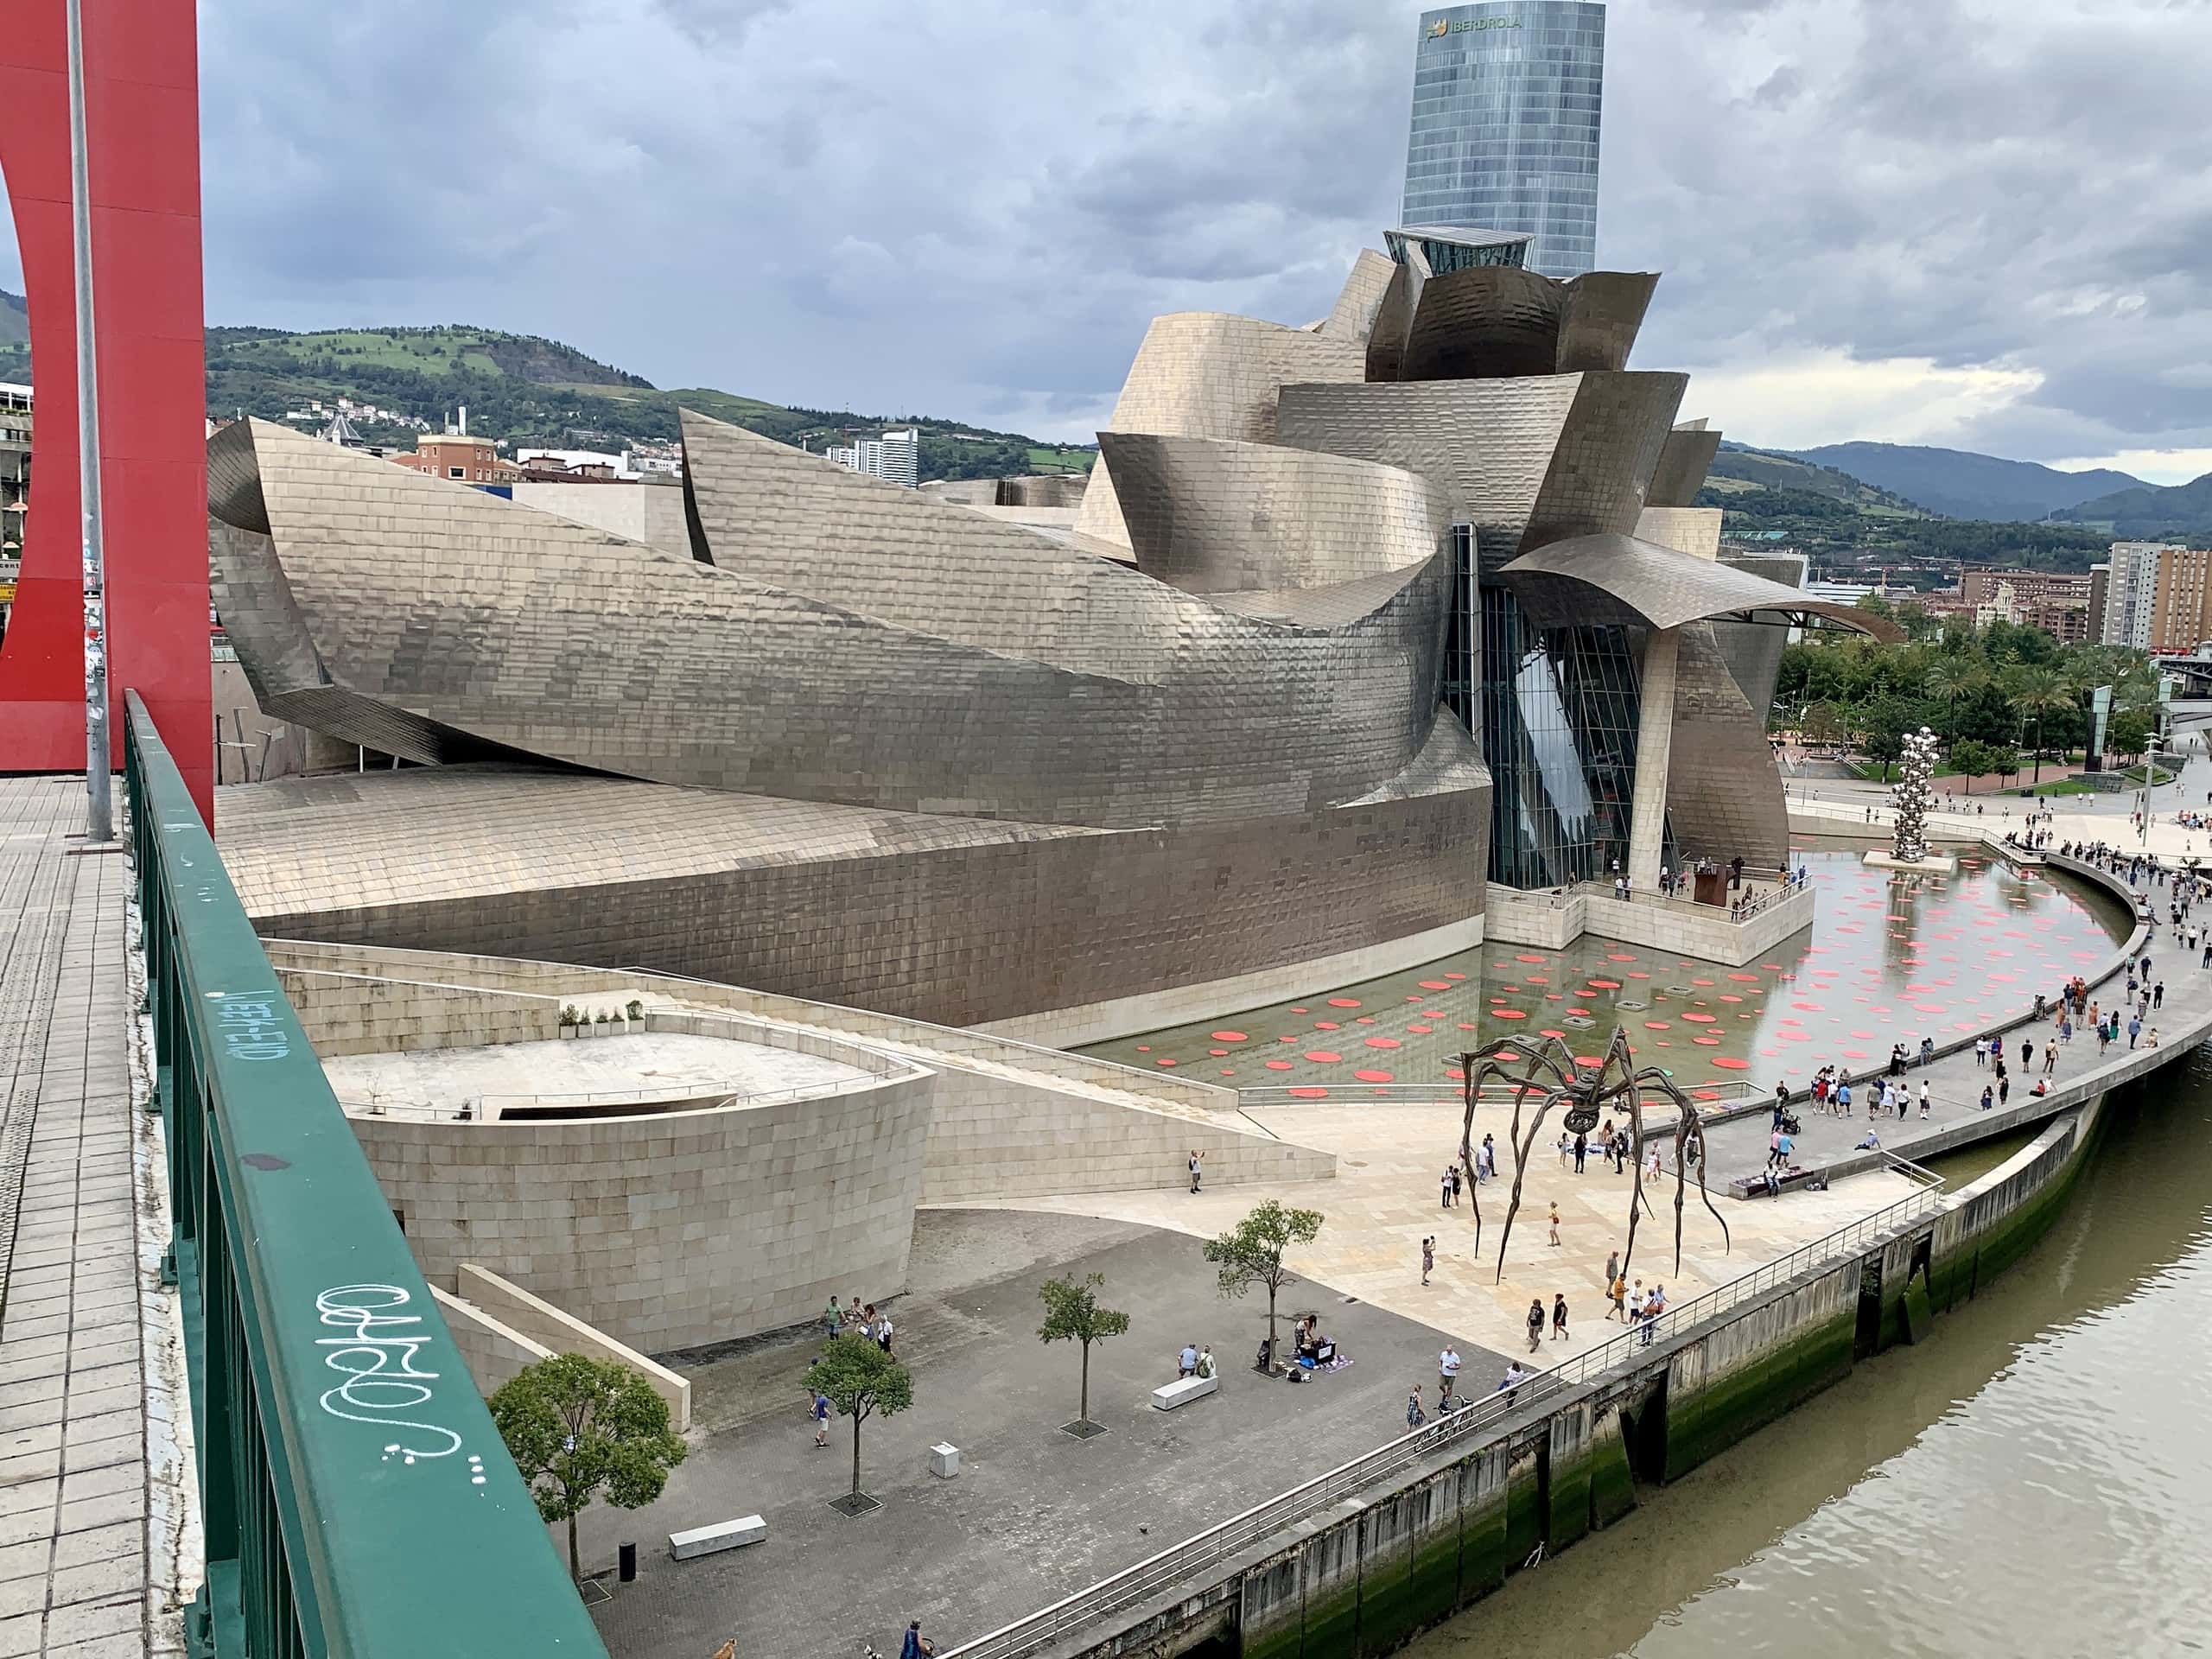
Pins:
x: 1033, y: 1514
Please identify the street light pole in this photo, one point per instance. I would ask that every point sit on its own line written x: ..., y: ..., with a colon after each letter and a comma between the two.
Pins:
x: 99, y: 824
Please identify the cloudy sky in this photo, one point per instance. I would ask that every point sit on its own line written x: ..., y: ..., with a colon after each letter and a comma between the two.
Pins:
x: 1983, y: 225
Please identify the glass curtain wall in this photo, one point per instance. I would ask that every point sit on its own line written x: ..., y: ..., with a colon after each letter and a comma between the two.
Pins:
x: 1556, y: 711
x: 1507, y: 98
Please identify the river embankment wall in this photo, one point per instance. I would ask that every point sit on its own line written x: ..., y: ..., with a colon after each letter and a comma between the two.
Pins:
x: 1363, y: 1577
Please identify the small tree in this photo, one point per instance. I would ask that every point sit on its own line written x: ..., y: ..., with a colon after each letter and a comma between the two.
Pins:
x: 1072, y: 1313
x: 859, y: 1379
x: 1252, y: 1254
x: 577, y: 1426
x: 1970, y: 759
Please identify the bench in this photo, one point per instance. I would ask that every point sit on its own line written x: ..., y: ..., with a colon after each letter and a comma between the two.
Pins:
x: 1182, y: 1391
x: 723, y: 1534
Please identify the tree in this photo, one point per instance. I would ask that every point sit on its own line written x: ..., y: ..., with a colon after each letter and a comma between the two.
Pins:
x: 2034, y: 693
x: 2004, y: 761
x: 1072, y: 1313
x: 2128, y: 734
x: 1971, y: 758
x: 859, y: 1379
x: 1883, y: 725
x: 577, y: 1426
x: 1252, y: 1254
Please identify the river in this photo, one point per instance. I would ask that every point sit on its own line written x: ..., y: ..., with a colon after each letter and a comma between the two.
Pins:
x: 2035, y: 1479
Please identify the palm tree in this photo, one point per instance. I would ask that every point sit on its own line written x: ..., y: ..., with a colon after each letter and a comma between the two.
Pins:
x: 1946, y: 683
x: 2034, y: 693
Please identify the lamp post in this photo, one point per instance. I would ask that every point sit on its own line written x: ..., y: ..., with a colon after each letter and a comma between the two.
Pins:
x: 99, y: 818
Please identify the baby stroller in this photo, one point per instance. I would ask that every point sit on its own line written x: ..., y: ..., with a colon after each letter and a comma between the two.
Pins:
x: 1791, y: 1126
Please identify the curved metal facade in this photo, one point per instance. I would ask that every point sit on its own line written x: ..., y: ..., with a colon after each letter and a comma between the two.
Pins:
x: 1206, y: 374
x: 1209, y: 516
x: 1619, y: 579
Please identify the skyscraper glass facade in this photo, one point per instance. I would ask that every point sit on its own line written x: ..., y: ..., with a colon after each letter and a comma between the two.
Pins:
x: 1556, y: 711
x: 1507, y: 97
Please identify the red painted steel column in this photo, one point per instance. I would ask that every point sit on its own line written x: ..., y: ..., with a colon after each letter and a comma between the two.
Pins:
x: 142, y: 130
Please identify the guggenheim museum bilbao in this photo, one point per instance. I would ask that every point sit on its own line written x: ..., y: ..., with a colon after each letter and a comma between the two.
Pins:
x: 1361, y: 629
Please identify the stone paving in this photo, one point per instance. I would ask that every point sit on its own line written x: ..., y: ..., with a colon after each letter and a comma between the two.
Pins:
x: 73, y: 1502
x: 1034, y: 1515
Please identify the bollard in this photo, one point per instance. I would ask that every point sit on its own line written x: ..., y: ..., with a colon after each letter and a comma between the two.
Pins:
x: 627, y: 1572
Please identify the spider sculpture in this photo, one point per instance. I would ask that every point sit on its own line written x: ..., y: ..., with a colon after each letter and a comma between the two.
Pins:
x: 1549, y: 1075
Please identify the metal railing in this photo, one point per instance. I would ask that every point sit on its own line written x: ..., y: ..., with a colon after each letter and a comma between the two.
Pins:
x: 1174, y: 1565
x: 1778, y: 888
x: 356, y: 1500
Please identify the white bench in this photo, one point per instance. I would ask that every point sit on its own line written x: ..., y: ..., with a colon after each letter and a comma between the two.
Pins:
x: 1182, y: 1391
x: 723, y: 1534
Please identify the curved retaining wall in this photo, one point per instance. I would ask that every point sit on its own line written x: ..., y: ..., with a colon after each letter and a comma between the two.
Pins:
x: 1370, y: 1573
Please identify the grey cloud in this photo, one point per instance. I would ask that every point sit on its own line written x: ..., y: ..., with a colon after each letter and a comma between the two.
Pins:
x: 973, y: 207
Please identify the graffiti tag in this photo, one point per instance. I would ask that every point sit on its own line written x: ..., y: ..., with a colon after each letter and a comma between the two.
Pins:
x: 379, y: 1355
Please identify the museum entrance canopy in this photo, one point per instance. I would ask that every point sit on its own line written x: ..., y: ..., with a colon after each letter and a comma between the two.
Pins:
x: 1619, y: 580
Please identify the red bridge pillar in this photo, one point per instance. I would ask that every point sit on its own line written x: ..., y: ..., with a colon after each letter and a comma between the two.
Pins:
x: 142, y: 115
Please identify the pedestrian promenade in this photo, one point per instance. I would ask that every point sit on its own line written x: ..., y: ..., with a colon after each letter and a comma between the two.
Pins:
x: 1739, y: 1149
x: 74, y: 1492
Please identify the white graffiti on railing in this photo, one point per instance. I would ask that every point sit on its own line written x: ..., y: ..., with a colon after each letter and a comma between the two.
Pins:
x: 251, y: 1028
x: 379, y: 1356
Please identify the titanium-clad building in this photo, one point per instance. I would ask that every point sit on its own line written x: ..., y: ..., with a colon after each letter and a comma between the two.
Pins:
x: 1507, y: 101
x: 1223, y: 737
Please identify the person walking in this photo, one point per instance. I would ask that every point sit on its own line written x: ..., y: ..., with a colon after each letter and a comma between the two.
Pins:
x: 1448, y: 1367
x: 1535, y: 1324
x: 1559, y: 1317
x: 1612, y: 1270
x: 2134, y: 1029
x: 2159, y: 994
x: 1428, y: 1257
x: 1554, y: 1223
x: 916, y: 1646
x: 833, y: 1319
x: 820, y: 1411
x: 1923, y: 1100
x: 2003, y: 1090
x: 1581, y: 1149
x: 1617, y: 1293
x: 1196, y: 1158
x: 1414, y: 1416
x: 2050, y: 1057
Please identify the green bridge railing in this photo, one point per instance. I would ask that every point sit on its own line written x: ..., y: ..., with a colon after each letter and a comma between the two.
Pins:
x: 357, y: 1501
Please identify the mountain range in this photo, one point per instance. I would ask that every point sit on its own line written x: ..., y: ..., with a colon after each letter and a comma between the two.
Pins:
x: 1959, y: 484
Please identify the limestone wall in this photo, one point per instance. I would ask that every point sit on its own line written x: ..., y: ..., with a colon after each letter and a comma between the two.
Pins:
x: 493, y: 1351
x: 360, y: 1013
x: 544, y: 1326
x: 674, y: 1231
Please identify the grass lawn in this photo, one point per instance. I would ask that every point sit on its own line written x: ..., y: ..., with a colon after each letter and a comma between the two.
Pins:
x: 1044, y: 459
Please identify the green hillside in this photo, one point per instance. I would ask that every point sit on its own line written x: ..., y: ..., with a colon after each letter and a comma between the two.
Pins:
x: 527, y: 389
x: 1964, y: 485
x: 1739, y: 468
x: 2150, y: 513
x: 15, y: 337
